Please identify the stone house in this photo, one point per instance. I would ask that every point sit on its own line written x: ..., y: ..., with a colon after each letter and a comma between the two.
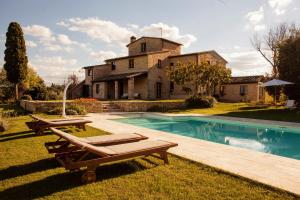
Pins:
x: 142, y: 74
x: 244, y: 89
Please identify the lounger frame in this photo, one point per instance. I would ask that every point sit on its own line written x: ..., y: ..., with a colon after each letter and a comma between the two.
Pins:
x: 39, y: 125
x: 61, y: 145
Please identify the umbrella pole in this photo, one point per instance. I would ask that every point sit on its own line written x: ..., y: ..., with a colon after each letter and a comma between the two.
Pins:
x: 275, y: 99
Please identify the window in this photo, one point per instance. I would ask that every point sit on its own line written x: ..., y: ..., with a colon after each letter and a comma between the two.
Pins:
x: 158, y: 90
x: 171, y: 87
x: 208, y: 62
x: 131, y: 63
x: 113, y: 65
x: 243, y: 90
x: 222, y: 90
x: 171, y: 64
x: 97, y: 88
x: 89, y: 72
x: 143, y: 47
x: 159, y: 63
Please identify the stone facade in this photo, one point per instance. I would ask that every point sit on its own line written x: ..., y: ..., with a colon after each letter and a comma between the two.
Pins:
x: 96, y: 107
x: 45, y: 106
x: 142, y: 74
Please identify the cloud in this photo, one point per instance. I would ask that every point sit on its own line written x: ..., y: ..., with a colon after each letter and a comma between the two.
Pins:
x: 64, y: 39
x: 169, y: 32
x: 38, y: 31
x: 279, y: 6
x: 30, y: 43
x: 96, y: 28
x: 112, y: 33
x: 51, y: 41
x: 255, y: 20
x: 54, y: 69
x: 247, y: 63
x: 103, y: 55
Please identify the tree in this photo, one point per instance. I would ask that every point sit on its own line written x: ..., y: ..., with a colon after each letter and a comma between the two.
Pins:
x: 268, y: 45
x: 289, y: 65
x: 15, y: 56
x: 193, y: 78
x: 6, y: 88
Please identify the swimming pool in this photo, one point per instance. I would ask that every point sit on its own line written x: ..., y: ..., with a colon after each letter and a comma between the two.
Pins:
x: 272, y: 139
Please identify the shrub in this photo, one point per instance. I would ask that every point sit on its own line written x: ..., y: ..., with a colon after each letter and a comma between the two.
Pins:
x: 26, y: 97
x: 14, y: 112
x: 85, y: 100
x: 200, y: 102
x: 71, y: 112
x: 55, y: 111
x: 80, y: 110
x: 3, y: 125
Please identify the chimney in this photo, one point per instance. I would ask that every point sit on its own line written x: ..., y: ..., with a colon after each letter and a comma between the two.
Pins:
x: 132, y: 39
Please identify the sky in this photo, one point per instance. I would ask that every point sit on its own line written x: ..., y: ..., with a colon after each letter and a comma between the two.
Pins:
x: 62, y: 36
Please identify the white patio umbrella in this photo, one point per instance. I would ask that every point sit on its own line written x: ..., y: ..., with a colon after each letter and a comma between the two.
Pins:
x: 275, y: 83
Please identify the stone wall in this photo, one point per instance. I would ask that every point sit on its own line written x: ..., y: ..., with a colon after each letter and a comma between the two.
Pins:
x: 45, y: 106
x: 143, y: 106
x: 96, y: 107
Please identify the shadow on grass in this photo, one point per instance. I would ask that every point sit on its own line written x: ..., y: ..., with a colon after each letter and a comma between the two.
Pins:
x: 21, y: 170
x: 32, y: 134
x: 66, y: 181
x: 267, y: 114
x: 15, y: 134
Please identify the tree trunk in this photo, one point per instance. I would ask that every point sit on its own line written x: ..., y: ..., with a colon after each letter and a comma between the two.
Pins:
x: 17, y: 91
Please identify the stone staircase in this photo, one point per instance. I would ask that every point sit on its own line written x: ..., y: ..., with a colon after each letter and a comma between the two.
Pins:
x: 110, y: 107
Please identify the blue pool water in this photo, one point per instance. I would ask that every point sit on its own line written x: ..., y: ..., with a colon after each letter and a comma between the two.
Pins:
x: 276, y: 140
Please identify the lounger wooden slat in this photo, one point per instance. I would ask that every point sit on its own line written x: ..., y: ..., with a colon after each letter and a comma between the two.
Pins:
x: 39, y: 124
x: 89, y: 157
x: 61, y: 145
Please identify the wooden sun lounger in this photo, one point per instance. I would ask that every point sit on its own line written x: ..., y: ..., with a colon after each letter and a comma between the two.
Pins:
x: 62, y: 145
x: 40, y: 124
x: 90, y: 156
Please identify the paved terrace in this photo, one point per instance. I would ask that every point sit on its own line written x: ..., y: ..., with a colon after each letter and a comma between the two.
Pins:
x: 277, y: 171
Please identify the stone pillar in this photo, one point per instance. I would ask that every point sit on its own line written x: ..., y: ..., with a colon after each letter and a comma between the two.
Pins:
x: 103, y: 90
x: 131, y: 88
x: 116, y: 89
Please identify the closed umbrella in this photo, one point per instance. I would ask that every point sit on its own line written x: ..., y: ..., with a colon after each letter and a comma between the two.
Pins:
x: 275, y: 83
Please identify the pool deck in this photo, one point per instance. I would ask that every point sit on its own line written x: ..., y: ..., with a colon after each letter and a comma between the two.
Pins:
x: 277, y: 171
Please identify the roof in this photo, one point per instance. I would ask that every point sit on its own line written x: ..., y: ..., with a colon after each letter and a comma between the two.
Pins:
x: 120, y: 76
x: 154, y: 38
x: 199, y: 53
x: 143, y: 54
x: 102, y: 65
x: 246, y: 79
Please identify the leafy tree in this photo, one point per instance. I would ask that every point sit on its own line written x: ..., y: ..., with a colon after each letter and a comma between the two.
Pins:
x: 15, y: 56
x: 289, y: 65
x: 6, y: 88
x: 194, y: 78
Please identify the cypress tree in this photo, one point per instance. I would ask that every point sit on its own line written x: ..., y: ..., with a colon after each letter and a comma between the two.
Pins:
x: 15, y: 56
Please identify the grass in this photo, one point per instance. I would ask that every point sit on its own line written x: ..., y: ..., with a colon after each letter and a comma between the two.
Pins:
x: 247, y: 110
x: 27, y: 171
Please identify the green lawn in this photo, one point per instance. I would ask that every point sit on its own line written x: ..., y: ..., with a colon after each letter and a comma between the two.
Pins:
x: 27, y: 171
x: 248, y: 111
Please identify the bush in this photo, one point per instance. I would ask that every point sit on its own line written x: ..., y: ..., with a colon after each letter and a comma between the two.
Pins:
x: 15, y: 112
x: 70, y: 110
x: 80, y: 110
x: 55, y: 111
x: 26, y: 97
x: 200, y: 102
x: 85, y: 100
x: 3, y: 125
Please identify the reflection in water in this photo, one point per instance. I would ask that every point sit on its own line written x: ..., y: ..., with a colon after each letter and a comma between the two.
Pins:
x: 281, y: 142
